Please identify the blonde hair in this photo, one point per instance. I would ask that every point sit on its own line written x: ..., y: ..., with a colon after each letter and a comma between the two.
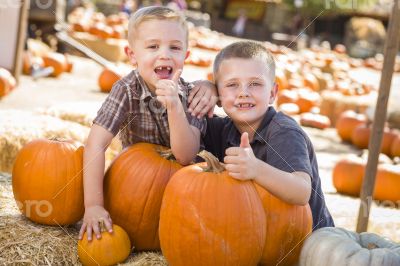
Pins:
x: 246, y: 50
x: 154, y: 13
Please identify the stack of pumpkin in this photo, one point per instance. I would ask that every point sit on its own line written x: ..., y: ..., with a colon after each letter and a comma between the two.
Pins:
x: 348, y: 173
x: 197, y: 215
x: 7, y: 82
x: 97, y: 24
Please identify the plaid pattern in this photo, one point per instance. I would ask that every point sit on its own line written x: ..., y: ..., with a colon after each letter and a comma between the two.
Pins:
x: 135, y: 113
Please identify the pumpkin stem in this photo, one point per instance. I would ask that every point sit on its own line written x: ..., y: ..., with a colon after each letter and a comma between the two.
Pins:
x: 371, y: 246
x: 213, y: 165
x: 166, y: 154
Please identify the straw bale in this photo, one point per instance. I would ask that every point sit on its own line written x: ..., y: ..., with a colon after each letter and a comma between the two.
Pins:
x: 334, y: 103
x: 19, y: 127
x: 79, y: 112
x: 84, y: 114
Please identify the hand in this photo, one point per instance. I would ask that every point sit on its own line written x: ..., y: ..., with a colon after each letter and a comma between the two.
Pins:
x: 203, y: 98
x: 240, y: 162
x: 93, y: 216
x: 167, y: 90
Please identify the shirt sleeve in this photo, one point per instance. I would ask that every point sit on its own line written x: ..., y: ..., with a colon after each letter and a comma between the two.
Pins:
x: 114, y: 110
x: 288, y: 151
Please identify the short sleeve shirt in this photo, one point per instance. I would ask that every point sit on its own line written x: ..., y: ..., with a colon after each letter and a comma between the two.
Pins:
x: 132, y: 111
x: 280, y: 142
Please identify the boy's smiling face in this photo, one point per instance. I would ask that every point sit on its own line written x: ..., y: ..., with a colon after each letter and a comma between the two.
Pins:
x: 159, y: 50
x: 246, y: 89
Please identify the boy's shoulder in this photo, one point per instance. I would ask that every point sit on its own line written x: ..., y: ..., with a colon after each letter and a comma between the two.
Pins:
x: 128, y: 84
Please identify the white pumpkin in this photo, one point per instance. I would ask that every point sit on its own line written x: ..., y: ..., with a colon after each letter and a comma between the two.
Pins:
x: 333, y: 246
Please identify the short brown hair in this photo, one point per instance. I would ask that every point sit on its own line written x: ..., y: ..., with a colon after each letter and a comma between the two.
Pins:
x: 245, y: 50
x: 154, y: 12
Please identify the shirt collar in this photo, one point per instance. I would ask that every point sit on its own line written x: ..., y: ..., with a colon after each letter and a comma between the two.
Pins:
x: 233, y: 134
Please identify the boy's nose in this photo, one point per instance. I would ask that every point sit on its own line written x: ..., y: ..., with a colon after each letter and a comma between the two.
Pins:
x: 244, y: 92
x: 165, y: 54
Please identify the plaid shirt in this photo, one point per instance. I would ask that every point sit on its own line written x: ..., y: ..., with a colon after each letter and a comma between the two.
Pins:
x: 137, y: 115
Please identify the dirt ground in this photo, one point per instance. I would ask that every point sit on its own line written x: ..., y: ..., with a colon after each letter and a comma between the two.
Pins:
x: 81, y: 85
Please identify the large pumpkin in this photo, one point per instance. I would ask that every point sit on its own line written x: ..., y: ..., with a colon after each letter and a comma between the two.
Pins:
x: 332, y: 246
x: 361, y: 135
x: 347, y: 122
x: 110, y: 249
x: 209, y: 218
x: 47, y: 181
x: 133, y: 189
x: 287, y: 227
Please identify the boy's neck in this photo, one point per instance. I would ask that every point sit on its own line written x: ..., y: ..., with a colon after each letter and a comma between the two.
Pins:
x: 241, y: 127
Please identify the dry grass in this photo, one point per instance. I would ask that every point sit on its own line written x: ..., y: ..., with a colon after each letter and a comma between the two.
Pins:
x: 28, y: 243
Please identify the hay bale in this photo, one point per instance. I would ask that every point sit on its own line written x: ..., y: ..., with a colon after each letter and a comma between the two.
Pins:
x: 79, y: 112
x: 19, y: 127
x: 83, y: 113
x: 25, y: 242
x: 334, y: 103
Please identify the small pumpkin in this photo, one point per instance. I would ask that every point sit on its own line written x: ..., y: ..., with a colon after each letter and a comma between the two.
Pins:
x: 287, y: 96
x: 57, y: 61
x: 307, y: 100
x: 47, y: 181
x: 315, y: 120
x: 395, y: 150
x: 7, y: 82
x: 347, y: 122
x: 348, y: 174
x: 107, y: 79
x: 110, y: 249
x: 333, y: 246
x: 361, y: 135
x: 209, y: 218
x: 289, y: 108
x: 134, y: 185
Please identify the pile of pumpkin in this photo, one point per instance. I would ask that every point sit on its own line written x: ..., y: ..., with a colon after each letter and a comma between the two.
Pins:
x: 114, y: 26
x: 348, y: 172
x: 197, y: 215
x: 59, y: 62
x: 7, y: 82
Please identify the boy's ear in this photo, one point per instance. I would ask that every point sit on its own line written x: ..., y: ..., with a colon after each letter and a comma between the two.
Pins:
x: 187, y: 54
x: 274, y: 92
x: 130, y: 54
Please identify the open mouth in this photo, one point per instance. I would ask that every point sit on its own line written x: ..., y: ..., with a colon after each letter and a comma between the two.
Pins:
x: 244, y: 105
x: 163, y: 72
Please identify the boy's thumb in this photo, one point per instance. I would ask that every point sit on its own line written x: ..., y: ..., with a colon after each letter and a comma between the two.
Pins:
x: 176, y: 76
x: 244, y: 140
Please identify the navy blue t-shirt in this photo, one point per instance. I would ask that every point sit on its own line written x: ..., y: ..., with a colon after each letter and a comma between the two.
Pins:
x: 280, y: 142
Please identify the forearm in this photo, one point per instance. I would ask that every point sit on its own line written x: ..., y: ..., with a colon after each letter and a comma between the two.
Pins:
x: 185, y: 143
x: 286, y: 186
x: 93, y: 174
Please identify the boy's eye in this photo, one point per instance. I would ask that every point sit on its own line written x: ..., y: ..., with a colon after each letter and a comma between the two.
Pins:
x: 231, y: 85
x: 178, y: 48
x: 255, y: 84
x: 152, y: 46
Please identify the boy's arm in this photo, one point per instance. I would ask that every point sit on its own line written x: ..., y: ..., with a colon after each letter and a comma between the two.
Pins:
x: 293, y: 188
x: 93, y: 172
x: 202, y: 98
x: 184, y: 138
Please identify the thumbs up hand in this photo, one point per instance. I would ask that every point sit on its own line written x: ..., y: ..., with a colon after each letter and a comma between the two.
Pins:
x: 167, y: 90
x: 240, y: 162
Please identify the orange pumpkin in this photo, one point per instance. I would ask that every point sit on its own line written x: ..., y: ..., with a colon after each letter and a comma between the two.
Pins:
x: 110, y: 249
x: 57, y: 61
x: 28, y: 60
x: 133, y: 189
x: 307, y: 100
x: 348, y: 174
x: 287, y: 96
x: 347, y: 122
x: 310, y: 81
x: 289, y: 108
x: 107, y: 79
x: 7, y: 82
x: 395, y: 150
x: 47, y: 181
x: 209, y: 218
x: 286, y: 229
x: 315, y: 120
x: 361, y: 135
x: 281, y: 80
